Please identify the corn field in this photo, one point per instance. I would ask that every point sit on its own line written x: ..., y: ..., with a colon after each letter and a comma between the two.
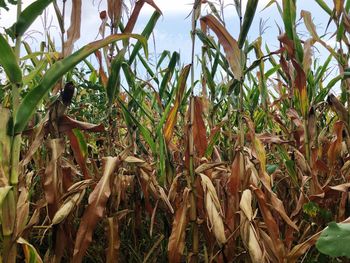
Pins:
x: 242, y: 155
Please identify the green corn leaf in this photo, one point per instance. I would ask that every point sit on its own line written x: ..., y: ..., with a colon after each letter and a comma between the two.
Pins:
x: 162, y: 154
x: 247, y: 21
x: 27, y: 17
x: 208, y: 41
x: 9, y: 62
x: 56, y: 72
x: 169, y: 73
x: 139, y: 106
x: 165, y: 54
x: 321, y: 73
x: 324, y: 6
x: 143, y: 130
x: 322, y: 94
x: 81, y: 141
x: 113, y: 84
x: 148, y: 68
x: 169, y: 117
x: 289, y: 15
x: 31, y: 55
x: 145, y: 33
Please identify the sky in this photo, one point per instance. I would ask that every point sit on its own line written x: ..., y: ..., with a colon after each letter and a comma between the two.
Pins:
x: 173, y: 29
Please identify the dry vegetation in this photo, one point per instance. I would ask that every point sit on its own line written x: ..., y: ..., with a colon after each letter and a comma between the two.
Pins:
x: 101, y: 164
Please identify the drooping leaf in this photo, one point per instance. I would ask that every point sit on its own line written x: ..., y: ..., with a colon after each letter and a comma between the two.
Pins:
x: 338, y: 107
x: 199, y: 129
x: 115, y: 8
x: 30, y: 253
x: 27, y: 17
x: 312, y: 30
x: 176, y: 243
x: 136, y: 12
x: 230, y: 45
x: 336, y: 145
x: 270, y: 222
x: 72, y: 198
x: 95, y: 210
x: 213, y: 209
x: 146, y: 33
x: 112, y: 252
x: 73, y: 33
x: 52, y: 178
x: 247, y: 229
x: 67, y: 123
x: 300, y: 249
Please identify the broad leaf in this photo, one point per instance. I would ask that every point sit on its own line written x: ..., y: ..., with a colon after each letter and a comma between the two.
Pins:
x: 9, y: 62
x: 335, y: 240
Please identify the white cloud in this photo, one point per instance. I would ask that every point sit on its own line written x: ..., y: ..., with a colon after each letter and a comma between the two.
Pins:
x: 176, y: 7
x: 170, y: 7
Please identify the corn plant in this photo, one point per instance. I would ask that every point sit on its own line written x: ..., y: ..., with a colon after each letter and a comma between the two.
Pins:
x: 139, y: 159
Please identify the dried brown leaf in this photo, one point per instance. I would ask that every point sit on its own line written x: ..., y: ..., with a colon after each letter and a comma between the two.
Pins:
x: 301, y: 249
x: 172, y: 116
x: 37, y: 142
x: 112, y: 252
x: 230, y: 45
x: 199, y: 130
x: 176, y: 242
x: 96, y: 208
x: 79, y: 155
x: 52, y: 177
x: 73, y: 33
x: 270, y: 222
x: 67, y: 123
x: 251, y: 240
x: 136, y: 12
x: 246, y: 204
x: 22, y: 213
x: 336, y: 145
x: 213, y: 209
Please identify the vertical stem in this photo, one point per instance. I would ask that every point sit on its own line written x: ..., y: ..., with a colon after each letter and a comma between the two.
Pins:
x: 10, y: 202
x: 307, y: 140
x: 193, y: 209
x: 62, y: 29
x: 240, y: 113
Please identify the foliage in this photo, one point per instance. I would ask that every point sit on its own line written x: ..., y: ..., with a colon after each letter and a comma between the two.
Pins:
x: 121, y: 161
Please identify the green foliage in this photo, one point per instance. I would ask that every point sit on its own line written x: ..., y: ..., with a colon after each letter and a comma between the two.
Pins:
x: 57, y: 71
x: 27, y: 17
x: 334, y: 240
x: 8, y: 61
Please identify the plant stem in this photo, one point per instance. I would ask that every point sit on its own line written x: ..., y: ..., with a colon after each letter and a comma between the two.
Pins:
x: 193, y: 197
x: 241, y: 101
x: 10, y: 203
